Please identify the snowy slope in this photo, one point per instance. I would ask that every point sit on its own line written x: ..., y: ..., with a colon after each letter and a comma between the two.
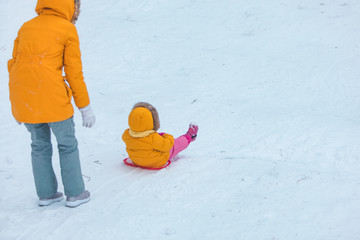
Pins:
x: 274, y: 87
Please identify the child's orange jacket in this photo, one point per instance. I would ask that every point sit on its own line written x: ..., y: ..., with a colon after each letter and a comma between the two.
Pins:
x: 45, y: 46
x: 144, y: 145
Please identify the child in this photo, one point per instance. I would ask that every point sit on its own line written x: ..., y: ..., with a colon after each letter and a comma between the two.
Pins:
x: 41, y: 99
x: 146, y: 147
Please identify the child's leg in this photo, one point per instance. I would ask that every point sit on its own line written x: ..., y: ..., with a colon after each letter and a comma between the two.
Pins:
x: 180, y: 144
x: 64, y: 132
x: 41, y: 153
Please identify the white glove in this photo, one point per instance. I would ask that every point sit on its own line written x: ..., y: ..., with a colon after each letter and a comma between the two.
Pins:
x: 88, y: 116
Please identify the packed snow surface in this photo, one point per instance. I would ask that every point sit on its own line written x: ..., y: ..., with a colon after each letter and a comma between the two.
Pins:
x: 274, y: 87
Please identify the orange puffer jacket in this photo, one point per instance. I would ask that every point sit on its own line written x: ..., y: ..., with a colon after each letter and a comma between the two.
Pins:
x: 45, y: 46
x: 144, y: 145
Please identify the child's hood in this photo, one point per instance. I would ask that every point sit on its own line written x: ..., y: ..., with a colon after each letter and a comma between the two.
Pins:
x: 61, y: 8
x: 140, y: 120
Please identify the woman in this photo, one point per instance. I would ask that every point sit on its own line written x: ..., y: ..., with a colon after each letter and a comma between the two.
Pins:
x: 41, y: 98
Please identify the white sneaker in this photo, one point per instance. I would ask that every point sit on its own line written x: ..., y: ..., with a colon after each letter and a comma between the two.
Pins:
x: 48, y: 201
x: 75, y: 201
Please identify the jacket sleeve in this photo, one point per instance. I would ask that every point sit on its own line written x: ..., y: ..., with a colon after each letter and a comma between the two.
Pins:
x: 73, y: 69
x: 163, y: 143
x: 13, y: 60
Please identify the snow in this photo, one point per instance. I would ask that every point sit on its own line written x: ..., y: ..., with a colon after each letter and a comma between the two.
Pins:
x: 274, y: 87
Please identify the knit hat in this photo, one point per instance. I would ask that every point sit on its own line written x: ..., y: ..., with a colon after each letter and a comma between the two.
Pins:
x: 153, y: 111
x: 140, y: 120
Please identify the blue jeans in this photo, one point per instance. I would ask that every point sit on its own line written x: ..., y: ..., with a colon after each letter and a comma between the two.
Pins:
x: 41, y: 157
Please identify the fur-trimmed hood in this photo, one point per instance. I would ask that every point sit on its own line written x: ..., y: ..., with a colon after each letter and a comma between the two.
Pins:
x: 144, y: 117
x: 68, y: 9
x: 61, y: 8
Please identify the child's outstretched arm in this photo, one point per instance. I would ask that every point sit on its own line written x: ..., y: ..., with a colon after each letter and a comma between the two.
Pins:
x: 163, y: 143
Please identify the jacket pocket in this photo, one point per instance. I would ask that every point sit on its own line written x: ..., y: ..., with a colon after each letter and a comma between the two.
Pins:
x: 68, y: 91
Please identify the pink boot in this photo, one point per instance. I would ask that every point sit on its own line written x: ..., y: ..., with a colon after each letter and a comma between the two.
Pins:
x: 192, y: 132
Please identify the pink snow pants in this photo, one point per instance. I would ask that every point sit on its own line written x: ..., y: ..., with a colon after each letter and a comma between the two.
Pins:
x: 180, y: 144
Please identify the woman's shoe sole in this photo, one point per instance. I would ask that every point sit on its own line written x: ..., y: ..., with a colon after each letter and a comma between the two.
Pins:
x: 76, y: 203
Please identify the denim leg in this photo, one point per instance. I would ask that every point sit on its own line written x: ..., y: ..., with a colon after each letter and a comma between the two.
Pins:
x: 41, y: 153
x: 72, y: 179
